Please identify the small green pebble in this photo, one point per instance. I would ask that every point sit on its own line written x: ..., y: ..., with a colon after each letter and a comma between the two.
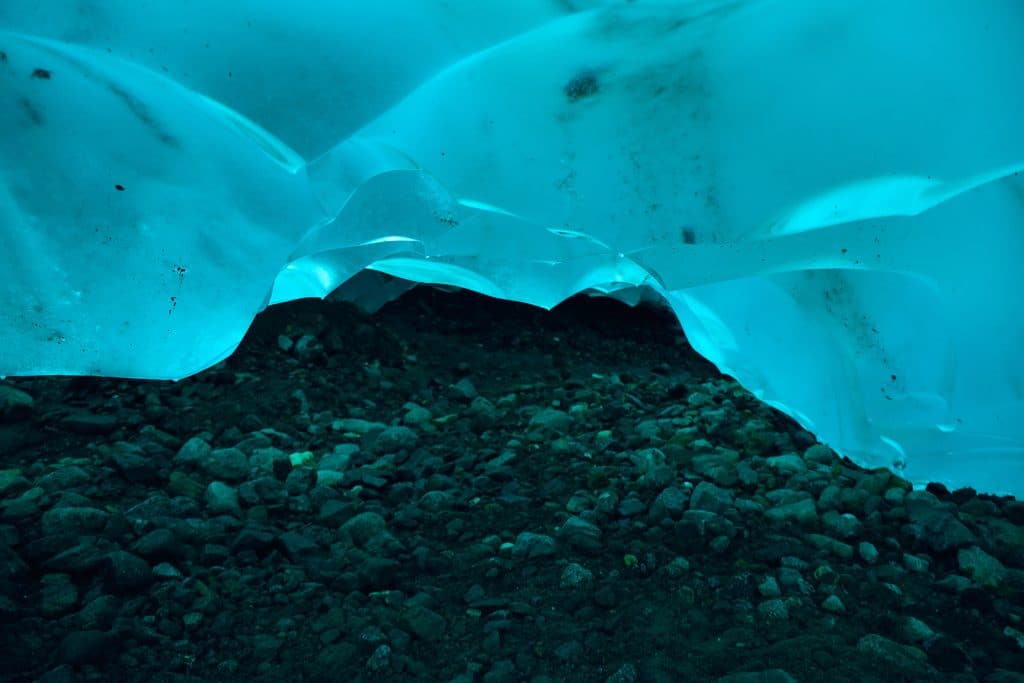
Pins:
x: 303, y: 459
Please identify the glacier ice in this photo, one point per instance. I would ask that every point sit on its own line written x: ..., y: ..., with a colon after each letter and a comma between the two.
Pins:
x: 828, y: 195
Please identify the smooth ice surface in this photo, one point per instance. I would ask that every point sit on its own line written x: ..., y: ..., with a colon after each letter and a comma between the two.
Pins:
x: 829, y: 195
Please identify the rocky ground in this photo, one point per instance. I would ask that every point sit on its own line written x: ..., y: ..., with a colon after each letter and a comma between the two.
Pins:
x: 461, y: 490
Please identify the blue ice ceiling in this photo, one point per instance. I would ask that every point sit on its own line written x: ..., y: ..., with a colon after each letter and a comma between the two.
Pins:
x: 829, y: 195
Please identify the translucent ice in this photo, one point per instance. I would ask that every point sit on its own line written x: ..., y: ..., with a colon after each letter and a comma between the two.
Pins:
x: 829, y: 195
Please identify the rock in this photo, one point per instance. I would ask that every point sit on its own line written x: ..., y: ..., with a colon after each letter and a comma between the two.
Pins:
x: 529, y: 545
x: 297, y: 547
x: 935, y: 524
x: 819, y: 454
x: 954, y: 583
x: 307, y: 346
x: 416, y: 415
x: 125, y: 573
x: 721, y: 467
x: 265, y: 646
x: 875, y: 482
x: 89, y: 423
x: 837, y: 548
x: 99, y: 613
x: 301, y: 459
x: 165, y: 571
x: 86, y: 647
x: 12, y: 482
x: 631, y: 507
x: 26, y: 506
x: 380, y: 660
x: 708, y: 497
x: 551, y: 420
x: 192, y: 452
x: 980, y: 566
x: 464, y: 389
x: 394, y: 439
x: 79, y: 558
x: 800, y: 512
x: 880, y: 647
x: 626, y: 673
x: 58, y: 595
x: 435, y: 501
x: 1007, y: 540
x: 830, y: 498
x: 425, y: 623
x: 379, y: 572
x: 669, y: 503
x: 253, y: 538
x: 331, y: 478
x: 363, y: 527
x: 580, y: 534
x: 299, y: 481
x: 332, y: 659
x: 915, y: 630
x: 60, y: 674
x: 356, y: 425
x: 180, y: 484
x: 15, y: 404
x: 793, y: 581
x: 769, y: 588
x: 842, y: 526
x: 64, y: 478
x: 222, y: 499
x: 576, y: 576
x: 262, y: 490
x: 225, y: 464
x: 774, y: 609
x: 786, y: 465
x: 12, y: 567
x: 915, y: 564
x: 214, y: 554
x: 75, y: 521
x: 134, y: 465
x: 158, y: 544
x: 867, y: 552
x: 339, y: 458
x: 833, y: 604
x: 605, y: 597
x: 894, y: 496
x: 677, y: 568
x: 502, y: 671
x: 706, y: 524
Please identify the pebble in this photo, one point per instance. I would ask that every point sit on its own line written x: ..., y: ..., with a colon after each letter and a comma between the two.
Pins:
x: 576, y: 576
x: 890, y: 651
x: 980, y: 566
x: 425, y: 623
x: 774, y: 609
x: 531, y: 546
x: 867, y: 552
x: 710, y: 498
x: 833, y: 604
x: 221, y: 499
x: 801, y: 512
x: 227, y: 464
x: 580, y: 534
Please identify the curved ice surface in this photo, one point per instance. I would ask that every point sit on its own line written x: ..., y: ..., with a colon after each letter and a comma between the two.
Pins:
x: 830, y: 197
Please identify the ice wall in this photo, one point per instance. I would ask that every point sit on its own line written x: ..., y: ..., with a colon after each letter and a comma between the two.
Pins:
x: 829, y: 195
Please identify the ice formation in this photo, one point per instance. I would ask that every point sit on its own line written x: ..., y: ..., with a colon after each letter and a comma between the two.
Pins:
x: 829, y: 195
